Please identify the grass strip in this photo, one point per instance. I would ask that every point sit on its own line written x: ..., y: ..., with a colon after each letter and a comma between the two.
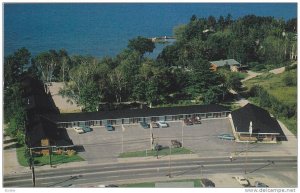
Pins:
x: 44, y: 159
x: 163, y: 152
x: 197, y: 183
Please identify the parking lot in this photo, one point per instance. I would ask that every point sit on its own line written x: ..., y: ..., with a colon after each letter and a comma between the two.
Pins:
x: 101, y: 145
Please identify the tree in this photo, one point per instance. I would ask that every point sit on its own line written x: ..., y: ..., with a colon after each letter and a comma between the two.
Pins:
x: 211, y: 96
x: 87, y: 85
x: 221, y: 23
x: 228, y: 19
x: 211, y: 22
x: 291, y: 25
x: 193, y: 18
x: 169, y: 56
x: 14, y: 65
x: 141, y: 45
x: 14, y: 113
x: 65, y: 63
x: 45, y: 64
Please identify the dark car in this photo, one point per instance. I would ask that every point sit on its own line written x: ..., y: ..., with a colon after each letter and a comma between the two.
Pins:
x: 188, y: 122
x: 144, y: 125
x: 196, y: 120
x: 87, y: 129
x: 207, y: 183
x: 259, y: 184
x: 176, y: 143
x: 158, y: 147
x: 109, y: 127
x: 112, y: 186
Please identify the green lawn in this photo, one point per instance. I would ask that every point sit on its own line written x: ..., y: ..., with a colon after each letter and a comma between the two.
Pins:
x: 152, y: 184
x: 162, y: 152
x: 44, y: 160
x: 275, y: 86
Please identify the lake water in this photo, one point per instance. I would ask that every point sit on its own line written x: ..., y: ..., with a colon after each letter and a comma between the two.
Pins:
x: 104, y: 29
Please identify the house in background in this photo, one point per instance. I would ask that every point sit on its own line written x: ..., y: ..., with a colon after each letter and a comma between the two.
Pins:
x: 234, y: 65
x: 264, y: 127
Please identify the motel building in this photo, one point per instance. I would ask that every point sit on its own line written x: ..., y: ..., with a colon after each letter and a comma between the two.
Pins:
x: 264, y: 127
x: 134, y: 116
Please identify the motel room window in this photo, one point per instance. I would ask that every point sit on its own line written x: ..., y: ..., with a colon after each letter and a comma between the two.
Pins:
x: 169, y: 118
x: 175, y: 117
x: 125, y: 121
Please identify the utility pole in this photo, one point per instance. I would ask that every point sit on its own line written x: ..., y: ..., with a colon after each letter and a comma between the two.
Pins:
x: 250, y: 133
x: 32, y: 167
x: 201, y: 172
x: 170, y: 153
x: 151, y: 137
x: 182, y: 133
x: 50, y: 161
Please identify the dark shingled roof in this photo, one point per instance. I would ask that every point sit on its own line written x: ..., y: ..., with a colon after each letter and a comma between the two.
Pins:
x: 45, y: 129
x: 262, y: 122
x: 130, y: 113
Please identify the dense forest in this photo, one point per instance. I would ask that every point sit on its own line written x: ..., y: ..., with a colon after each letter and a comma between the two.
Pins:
x: 180, y: 74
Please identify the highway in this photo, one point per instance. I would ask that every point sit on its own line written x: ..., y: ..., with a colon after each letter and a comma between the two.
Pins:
x: 116, y: 173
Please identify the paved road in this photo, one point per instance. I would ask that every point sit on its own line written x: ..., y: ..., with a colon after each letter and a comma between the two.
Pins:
x: 157, y: 169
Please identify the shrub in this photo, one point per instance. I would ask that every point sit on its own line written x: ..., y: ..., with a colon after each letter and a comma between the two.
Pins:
x: 259, y: 67
x: 71, y: 152
x: 289, y: 80
x: 288, y: 68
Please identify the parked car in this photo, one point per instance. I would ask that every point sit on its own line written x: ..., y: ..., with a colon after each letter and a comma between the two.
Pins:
x: 87, y: 129
x: 78, y: 130
x: 243, y: 181
x: 188, y: 122
x: 158, y: 147
x: 144, y: 125
x: 176, y: 143
x: 226, y: 137
x: 109, y: 127
x: 112, y: 186
x: 259, y: 184
x: 154, y: 125
x: 162, y: 124
x: 207, y: 183
x: 196, y: 120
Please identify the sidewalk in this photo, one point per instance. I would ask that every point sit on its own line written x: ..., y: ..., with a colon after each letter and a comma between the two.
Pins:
x: 10, y: 161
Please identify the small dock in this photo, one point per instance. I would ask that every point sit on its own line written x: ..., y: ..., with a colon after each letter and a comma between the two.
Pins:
x: 162, y: 38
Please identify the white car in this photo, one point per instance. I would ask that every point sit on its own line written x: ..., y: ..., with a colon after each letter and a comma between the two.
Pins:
x: 162, y: 124
x: 78, y: 130
x: 241, y: 180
